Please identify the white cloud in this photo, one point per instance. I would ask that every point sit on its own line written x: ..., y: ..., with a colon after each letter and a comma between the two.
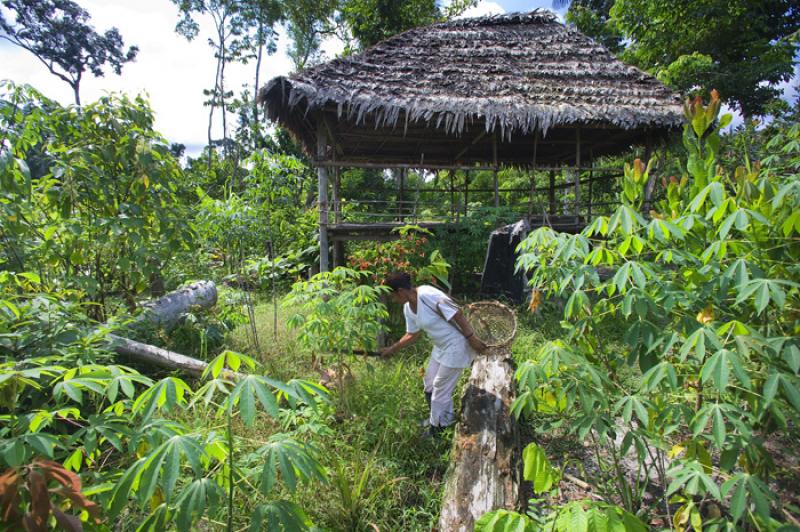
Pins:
x: 483, y: 9
x: 169, y: 70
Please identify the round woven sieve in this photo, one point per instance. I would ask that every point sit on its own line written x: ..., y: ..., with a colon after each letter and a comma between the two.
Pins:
x: 493, y: 322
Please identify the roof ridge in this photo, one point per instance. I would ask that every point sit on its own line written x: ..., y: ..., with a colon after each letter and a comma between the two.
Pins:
x: 537, y: 16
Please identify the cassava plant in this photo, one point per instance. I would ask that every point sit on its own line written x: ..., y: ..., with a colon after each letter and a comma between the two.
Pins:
x: 87, y: 442
x: 705, y: 285
x: 576, y: 516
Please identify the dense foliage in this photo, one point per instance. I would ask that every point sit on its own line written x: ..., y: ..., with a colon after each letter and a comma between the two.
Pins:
x: 706, y: 288
x: 743, y: 49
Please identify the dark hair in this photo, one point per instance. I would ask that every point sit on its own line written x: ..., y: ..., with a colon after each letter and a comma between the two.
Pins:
x: 398, y: 280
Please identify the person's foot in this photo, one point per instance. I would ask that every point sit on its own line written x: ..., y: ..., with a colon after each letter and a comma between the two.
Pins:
x: 432, y: 432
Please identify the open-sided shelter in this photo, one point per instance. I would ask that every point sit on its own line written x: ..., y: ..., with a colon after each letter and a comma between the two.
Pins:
x: 518, y: 89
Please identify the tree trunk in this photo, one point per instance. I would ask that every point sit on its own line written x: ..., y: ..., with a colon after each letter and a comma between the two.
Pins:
x: 150, y: 354
x: 166, y: 311
x: 484, y: 468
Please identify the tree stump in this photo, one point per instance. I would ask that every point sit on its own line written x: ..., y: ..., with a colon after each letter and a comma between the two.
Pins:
x: 484, y: 468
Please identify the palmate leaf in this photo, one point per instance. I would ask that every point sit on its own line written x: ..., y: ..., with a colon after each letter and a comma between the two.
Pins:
x: 762, y: 291
x: 166, y: 393
x: 279, y: 516
x: 538, y: 469
x: 164, y: 463
x: 200, y: 496
x: 504, y: 521
x: 744, y: 488
x: 245, y: 393
x: 295, y: 460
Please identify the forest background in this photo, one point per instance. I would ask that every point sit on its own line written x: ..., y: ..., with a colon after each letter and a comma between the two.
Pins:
x: 100, y: 213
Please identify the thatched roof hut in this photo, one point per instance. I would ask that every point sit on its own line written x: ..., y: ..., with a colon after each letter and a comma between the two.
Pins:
x: 481, y: 90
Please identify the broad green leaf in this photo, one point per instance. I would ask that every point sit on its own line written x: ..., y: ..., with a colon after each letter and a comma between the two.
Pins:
x: 538, y: 470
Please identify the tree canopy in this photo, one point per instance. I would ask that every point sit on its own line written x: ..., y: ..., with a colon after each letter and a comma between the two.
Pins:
x: 58, y: 33
x: 741, y: 48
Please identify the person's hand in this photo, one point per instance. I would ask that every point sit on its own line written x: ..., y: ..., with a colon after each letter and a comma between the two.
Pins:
x: 386, y: 352
x: 476, y: 343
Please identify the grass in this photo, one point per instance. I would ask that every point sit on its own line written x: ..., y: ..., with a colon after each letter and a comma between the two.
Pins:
x: 382, y: 472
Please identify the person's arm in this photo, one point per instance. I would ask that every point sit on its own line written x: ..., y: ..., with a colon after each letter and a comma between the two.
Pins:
x: 405, y: 341
x: 466, y: 329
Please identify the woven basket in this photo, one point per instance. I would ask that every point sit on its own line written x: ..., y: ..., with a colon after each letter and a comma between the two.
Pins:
x: 493, y: 322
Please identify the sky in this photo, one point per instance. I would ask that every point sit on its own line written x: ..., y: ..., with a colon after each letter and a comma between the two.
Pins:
x: 171, y: 71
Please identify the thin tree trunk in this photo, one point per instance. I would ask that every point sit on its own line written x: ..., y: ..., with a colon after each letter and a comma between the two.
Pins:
x: 256, y: 126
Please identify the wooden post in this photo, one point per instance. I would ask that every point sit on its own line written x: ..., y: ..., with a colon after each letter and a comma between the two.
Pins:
x: 322, y: 199
x: 591, y: 186
x: 401, y: 178
x: 532, y: 175
x: 466, y: 193
x: 577, y: 172
x: 494, y: 162
x: 338, y: 245
x: 551, y: 193
x: 452, y: 175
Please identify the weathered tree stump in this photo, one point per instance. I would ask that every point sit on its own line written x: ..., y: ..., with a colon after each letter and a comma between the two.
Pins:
x: 484, y: 468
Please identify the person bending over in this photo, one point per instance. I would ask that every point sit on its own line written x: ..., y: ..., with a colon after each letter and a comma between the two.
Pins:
x: 454, y: 342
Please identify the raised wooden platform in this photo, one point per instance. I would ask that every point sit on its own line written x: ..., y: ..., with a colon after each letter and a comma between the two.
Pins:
x: 385, y: 231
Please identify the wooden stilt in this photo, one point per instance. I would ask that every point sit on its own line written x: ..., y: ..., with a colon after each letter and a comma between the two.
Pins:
x: 322, y: 199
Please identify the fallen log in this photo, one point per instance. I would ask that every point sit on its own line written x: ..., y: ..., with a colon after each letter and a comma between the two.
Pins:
x: 150, y: 354
x: 165, y: 312
x: 484, y: 470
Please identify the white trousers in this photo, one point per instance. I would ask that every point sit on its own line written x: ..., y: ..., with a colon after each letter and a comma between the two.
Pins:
x: 440, y: 381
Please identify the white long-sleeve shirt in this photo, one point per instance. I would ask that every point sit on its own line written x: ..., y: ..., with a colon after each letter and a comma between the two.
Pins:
x: 450, y: 348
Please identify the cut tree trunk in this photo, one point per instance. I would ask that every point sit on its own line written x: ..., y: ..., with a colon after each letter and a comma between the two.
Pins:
x: 150, y: 354
x: 484, y: 468
x: 166, y: 312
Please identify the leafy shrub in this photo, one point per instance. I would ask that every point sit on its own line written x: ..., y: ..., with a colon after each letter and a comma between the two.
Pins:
x: 706, y: 287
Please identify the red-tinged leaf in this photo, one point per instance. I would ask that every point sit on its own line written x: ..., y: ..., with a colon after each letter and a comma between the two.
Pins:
x: 40, y: 502
x: 68, y: 522
x: 9, y: 495
x: 56, y: 471
x: 79, y: 501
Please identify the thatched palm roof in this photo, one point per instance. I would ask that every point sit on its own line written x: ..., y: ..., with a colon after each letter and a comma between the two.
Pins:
x: 446, y: 89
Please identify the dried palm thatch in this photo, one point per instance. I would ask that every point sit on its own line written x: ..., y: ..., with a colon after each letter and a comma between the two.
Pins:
x: 474, y: 90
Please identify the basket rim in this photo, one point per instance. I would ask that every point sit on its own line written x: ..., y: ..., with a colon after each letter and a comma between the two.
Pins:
x: 504, y: 308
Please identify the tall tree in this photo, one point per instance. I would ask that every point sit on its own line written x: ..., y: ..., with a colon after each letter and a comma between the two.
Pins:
x: 57, y: 32
x: 372, y: 21
x: 229, y: 43
x: 742, y: 48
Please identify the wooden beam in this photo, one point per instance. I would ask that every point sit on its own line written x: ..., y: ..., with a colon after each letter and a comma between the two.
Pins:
x: 532, y: 174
